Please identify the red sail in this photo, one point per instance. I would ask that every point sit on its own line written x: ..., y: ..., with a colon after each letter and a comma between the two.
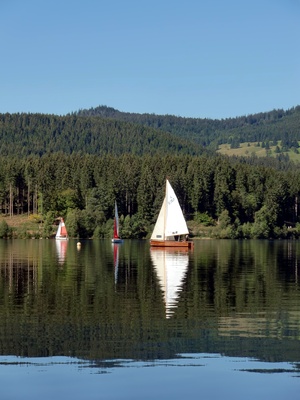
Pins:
x: 116, y: 236
x: 63, y: 231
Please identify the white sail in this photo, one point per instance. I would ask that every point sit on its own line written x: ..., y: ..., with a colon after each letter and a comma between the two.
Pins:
x: 159, y: 229
x: 175, y: 222
x: 171, y: 267
x: 170, y: 221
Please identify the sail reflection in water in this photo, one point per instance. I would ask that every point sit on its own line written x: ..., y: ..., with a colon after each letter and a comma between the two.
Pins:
x: 171, y: 266
x: 115, y: 247
x: 61, y: 250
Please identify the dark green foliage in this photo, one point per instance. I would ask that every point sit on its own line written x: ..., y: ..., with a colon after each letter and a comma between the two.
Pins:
x: 39, y: 134
x: 4, y: 229
x: 204, y: 219
x: 257, y: 201
x: 234, y: 143
x: 262, y: 127
x: 77, y: 166
x: 73, y: 223
x: 48, y: 224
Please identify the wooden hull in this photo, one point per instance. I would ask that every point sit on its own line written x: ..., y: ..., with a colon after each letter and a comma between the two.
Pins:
x: 172, y: 243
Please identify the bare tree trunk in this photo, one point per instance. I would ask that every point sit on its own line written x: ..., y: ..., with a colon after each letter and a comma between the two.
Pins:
x: 11, y: 209
x: 36, y: 200
x: 28, y: 199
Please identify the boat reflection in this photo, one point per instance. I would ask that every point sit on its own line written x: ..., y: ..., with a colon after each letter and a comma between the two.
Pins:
x: 61, y: 250
x: 115, y: 247
x: 171, y: 266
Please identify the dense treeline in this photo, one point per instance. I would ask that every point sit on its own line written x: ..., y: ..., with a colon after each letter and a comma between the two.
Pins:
x: 243, y: 200
x: 77, y: 165
x: 262, y: 127
x: 38, y: 134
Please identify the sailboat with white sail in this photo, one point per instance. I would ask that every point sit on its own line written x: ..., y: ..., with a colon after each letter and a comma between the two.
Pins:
x: 171, y: 266
x: 116, y: 237
x: 170, y: 229
x: 61, y: 233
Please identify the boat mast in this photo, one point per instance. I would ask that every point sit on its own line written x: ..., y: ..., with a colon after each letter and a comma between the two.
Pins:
x: 166, y: 209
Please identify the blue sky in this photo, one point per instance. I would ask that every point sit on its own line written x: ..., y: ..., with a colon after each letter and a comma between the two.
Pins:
x: 192, y: 58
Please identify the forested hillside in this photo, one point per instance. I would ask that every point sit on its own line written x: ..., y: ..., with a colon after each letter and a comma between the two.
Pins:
x: 104, y: 130
x: 38, y: 134
x: 268, y: 126
x: 76, y: 166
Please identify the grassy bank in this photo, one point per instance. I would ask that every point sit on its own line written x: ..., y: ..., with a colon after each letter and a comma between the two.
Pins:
x: 22, y: 226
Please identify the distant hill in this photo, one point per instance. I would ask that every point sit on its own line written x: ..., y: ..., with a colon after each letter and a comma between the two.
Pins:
x: 268, y: 126
x: 37, y: 134
x: 105, y: 130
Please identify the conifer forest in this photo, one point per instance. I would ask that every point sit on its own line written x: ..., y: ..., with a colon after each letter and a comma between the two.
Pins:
x: 76, y: 166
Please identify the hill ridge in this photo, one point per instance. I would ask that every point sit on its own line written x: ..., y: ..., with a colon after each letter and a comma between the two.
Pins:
x: 264, y: 126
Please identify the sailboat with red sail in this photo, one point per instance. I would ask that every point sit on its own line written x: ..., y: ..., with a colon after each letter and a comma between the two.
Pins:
x: 62, y: 233
x: 116, y: 238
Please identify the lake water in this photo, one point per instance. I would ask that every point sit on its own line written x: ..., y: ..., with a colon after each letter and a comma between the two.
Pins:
x: 124, y: 321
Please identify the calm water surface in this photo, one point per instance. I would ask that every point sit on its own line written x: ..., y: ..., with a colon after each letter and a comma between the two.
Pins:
x: 124, y: 321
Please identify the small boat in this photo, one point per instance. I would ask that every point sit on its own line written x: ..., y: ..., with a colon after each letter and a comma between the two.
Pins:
x: 62, y: 233
x: 116, y: 238
x: 170, y: 229
x: 171, y: 266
